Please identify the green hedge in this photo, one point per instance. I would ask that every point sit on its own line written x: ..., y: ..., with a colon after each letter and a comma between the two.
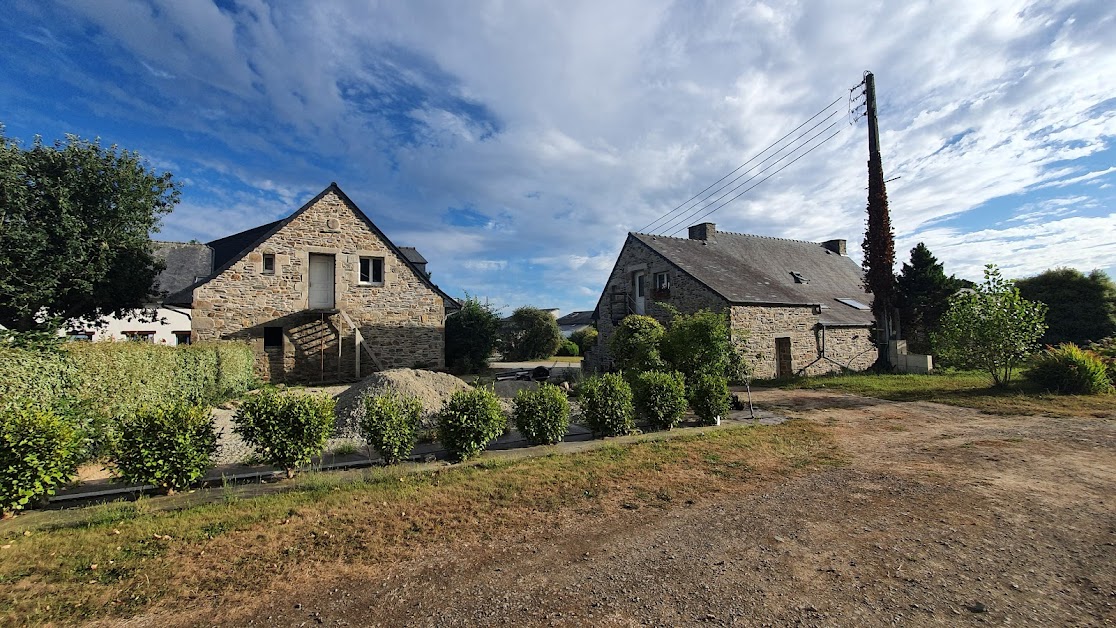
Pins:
x: 43, y: 378
x: 91, y: 383
x: 119, y: 378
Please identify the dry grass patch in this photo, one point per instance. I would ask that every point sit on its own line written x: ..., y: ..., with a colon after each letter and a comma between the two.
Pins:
x: 117, y: 560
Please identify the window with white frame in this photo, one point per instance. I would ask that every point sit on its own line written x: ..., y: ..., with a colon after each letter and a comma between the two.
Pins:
x: 372, y: 271
x: 662, y: 281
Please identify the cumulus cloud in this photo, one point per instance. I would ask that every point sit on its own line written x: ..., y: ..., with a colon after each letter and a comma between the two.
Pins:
x: 552, y: 129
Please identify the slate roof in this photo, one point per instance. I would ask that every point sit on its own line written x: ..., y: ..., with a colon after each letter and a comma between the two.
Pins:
x: 229, y: 249
x: 748, y: 269
x: 186, y: 263
x: 577, y: 318
x: 412, y: 255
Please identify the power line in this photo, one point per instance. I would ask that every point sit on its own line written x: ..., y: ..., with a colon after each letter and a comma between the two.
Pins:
x: 707, y: 202
x: 785, y: 166
x: 769, y: 147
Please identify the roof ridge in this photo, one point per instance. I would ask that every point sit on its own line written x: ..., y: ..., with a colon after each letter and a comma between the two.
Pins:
x: 734, y: 233
x: 767, y: 237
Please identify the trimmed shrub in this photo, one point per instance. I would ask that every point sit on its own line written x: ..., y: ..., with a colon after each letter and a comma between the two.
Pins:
x: 606, y: 403
x: 1068, y: 369
x: 38, y: 453
x: 709, y: 397
x: 660, y: 398
x: 569, y: 348
x: 168, y: 447
x: 285, y: 428
x: 542, y: 415
x: 390, y: 424
x: 469, y: 421
x: 635, y: 344
x: 585, y: 339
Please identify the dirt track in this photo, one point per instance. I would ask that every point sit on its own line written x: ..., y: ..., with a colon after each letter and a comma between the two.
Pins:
x: 945, y: 516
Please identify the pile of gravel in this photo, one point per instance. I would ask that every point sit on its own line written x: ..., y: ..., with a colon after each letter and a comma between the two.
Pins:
x: 432, y: 389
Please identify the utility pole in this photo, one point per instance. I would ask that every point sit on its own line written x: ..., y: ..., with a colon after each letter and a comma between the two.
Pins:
x: 879, y: 241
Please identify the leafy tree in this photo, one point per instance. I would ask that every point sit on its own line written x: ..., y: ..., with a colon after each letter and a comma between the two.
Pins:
x: 471, y: 336
x: 75, y: 221
x: 1082, y: 307
x: 923, y: 296
x: 585, y: 339
x: 635, y: 344
x: 990, y: 327
x: 698, y: 343
x: 532, y: 335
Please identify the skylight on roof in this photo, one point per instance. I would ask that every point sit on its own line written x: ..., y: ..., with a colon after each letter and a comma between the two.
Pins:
x: 854, y: 303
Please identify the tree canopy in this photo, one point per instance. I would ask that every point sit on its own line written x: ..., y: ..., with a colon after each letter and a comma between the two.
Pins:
x: 75, y: 225
x: 471, y: 335
x: 924, y: 291
x: 990, y: 327
x: 533, y: 335
x: 1082, y: 307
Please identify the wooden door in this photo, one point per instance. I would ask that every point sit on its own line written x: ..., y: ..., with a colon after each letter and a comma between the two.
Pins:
x: 783, y: 366
x: 321, y: 282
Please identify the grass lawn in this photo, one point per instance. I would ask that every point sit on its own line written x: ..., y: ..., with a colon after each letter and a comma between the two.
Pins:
x: 972, y: 389
x: 119, y: 559
x: 567, y: 359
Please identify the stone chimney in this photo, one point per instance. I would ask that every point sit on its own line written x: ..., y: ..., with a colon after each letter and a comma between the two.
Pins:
x: 837, y: 246
x: 704, y: 231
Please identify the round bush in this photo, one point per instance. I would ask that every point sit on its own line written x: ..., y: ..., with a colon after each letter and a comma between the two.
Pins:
x: 709, y: 397
x: 168, y: 447
x: 469, y: 421
x: 542, y: 415
x: 390, y: 424
x: 38, y: 453
x: 635, y: 344
x: 1068, y: 369
x: 606, y: 403
x: 569, y: 348
x: 660, y: 398
x: 286, y: 428
x: 585, y: 339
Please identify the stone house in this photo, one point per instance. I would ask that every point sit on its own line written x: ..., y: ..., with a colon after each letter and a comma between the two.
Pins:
x: 322, y: 294
x: 795, y: 307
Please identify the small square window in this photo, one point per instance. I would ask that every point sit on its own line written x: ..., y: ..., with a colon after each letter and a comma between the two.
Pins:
x: 269, y: 263
x: 181, y: 337
x: 371, y: 270
x: 662, y: 281
x: 273, y: 337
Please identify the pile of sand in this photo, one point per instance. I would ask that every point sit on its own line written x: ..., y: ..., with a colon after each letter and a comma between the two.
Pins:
x: 432, y: 389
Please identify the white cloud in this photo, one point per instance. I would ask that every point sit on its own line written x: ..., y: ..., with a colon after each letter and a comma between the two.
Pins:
x: 569, y: 124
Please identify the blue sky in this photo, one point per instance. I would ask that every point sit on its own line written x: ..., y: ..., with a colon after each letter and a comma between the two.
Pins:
x: 516, y: 143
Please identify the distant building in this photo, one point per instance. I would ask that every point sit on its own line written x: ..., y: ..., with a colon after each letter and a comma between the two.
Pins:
x: 574, y: 322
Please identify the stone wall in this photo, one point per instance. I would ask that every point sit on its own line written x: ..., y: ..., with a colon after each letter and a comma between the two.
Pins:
x: 402, y: 320
x: 755, y: 328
